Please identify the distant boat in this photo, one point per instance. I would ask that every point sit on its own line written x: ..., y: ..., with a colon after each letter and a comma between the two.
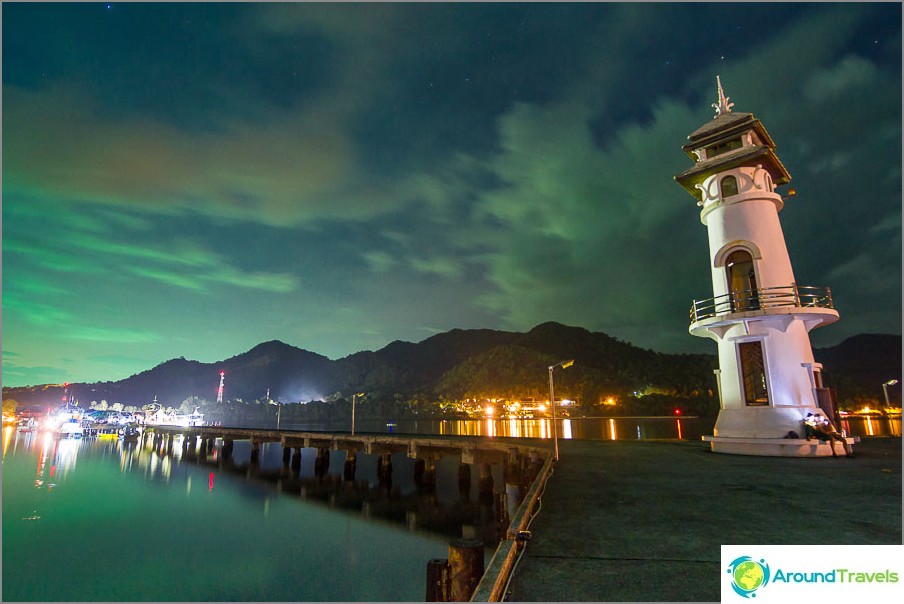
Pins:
x: 129, y: 432
x: 27, y: 424
x: 69, y: 428
x: 68, y: 421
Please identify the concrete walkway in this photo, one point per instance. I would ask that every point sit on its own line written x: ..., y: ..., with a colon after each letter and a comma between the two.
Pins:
x: 644, y: 521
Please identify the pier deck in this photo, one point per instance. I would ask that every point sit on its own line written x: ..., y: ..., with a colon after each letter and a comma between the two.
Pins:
x: 641, y: 521
x: 471, y: 448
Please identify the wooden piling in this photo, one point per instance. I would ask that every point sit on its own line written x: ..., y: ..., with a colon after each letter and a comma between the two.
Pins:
x: 485, y: 484
x: 439, y: 587
x: 465, y: 567
x: 296, y: 462
x: 322, y: 462
x: 351, y: 463
x: 286, y: 456
x: 464, y: 481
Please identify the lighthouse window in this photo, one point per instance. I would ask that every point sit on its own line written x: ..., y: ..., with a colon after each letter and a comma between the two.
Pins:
x: 753, y: 370
x: 721, y: 148
x: 729, y: 186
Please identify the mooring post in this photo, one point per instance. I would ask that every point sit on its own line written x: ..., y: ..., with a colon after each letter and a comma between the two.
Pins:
x: 465, y: 567
x: 439, y: 586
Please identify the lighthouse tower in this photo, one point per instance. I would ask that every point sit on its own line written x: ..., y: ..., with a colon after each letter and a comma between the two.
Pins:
x: 759, y: 316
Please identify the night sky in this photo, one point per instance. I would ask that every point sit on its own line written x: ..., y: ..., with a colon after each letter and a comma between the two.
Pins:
x: 191, y: 180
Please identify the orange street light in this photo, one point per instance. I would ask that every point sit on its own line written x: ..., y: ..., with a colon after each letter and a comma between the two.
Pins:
x: 552, y: 402
x: 354, y: 396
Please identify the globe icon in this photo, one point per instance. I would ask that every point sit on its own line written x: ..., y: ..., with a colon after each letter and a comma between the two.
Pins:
x: 748, y: 575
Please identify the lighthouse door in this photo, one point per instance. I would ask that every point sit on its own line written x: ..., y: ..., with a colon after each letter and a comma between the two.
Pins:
x: 742, y: 281
x: 753, y: 372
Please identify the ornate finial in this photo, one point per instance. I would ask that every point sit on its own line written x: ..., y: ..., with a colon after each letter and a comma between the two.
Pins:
x: 723, y: 106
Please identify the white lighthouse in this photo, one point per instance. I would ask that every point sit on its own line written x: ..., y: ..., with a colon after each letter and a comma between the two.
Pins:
x: 759, y: 315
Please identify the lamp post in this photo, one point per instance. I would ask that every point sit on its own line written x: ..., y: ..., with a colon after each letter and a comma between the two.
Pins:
x: 354, y: 396
x: 552, y: 402
x: 278, y: 409
x: 885, y: 386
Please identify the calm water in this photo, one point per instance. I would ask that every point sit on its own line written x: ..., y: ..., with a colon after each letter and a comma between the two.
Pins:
x: 95, y: 520
x: 98, y: 520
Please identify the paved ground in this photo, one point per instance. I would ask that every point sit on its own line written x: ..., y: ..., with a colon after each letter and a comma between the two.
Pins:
x: 643, y: 521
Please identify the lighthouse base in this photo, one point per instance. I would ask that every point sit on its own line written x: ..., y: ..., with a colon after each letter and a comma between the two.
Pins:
x: 764, y: 430
x: 776, y: 447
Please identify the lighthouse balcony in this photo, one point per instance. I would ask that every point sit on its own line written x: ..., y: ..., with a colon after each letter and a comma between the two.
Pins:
x: 813, y: 305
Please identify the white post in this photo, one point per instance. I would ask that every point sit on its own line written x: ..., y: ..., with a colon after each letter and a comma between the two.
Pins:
x: 552, y: 403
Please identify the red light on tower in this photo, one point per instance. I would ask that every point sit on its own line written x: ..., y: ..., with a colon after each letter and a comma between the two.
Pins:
x: 677, y: 411
x: 220, y: 389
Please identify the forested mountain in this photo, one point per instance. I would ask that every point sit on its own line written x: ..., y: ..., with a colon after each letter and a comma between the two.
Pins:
x: 469, y: 364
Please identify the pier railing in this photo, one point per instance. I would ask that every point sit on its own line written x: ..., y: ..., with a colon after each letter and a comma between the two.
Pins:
x: 762, y: 298
x: 493, y: 585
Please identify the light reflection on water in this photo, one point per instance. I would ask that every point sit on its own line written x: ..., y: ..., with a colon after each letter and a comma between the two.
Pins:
x: 99, y: 520
x: 636, y: 428
x: 871, y: 426
x: 613, y: 428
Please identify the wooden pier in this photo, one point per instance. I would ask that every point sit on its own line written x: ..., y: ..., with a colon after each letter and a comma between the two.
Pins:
x: 429, y: 448
x: 526, y: 467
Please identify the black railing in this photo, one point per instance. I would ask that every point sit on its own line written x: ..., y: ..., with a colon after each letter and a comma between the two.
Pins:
x: 758, y: 299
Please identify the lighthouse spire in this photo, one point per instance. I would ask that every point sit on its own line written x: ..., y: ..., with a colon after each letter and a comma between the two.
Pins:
x: 723, y: 106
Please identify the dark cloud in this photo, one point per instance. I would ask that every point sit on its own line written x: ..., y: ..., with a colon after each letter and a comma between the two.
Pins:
x: 348, y: 175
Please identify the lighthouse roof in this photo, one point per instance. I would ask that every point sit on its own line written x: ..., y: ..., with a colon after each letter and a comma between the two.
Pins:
x: 749, y: 155
x: 724, y: 126
x: 724, y: 121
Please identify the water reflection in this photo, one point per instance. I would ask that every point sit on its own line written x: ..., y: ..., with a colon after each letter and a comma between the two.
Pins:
x: 109, y: 496
x: 871, y: 426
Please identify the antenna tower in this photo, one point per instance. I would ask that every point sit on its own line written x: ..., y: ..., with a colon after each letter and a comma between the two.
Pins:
x: 220, y: 389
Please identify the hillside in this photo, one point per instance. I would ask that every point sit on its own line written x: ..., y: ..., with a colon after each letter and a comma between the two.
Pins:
x: 466, y: 363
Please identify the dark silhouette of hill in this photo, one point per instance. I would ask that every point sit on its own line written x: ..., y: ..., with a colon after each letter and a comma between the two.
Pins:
x: 458, y: 363
x: 859, y: 365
